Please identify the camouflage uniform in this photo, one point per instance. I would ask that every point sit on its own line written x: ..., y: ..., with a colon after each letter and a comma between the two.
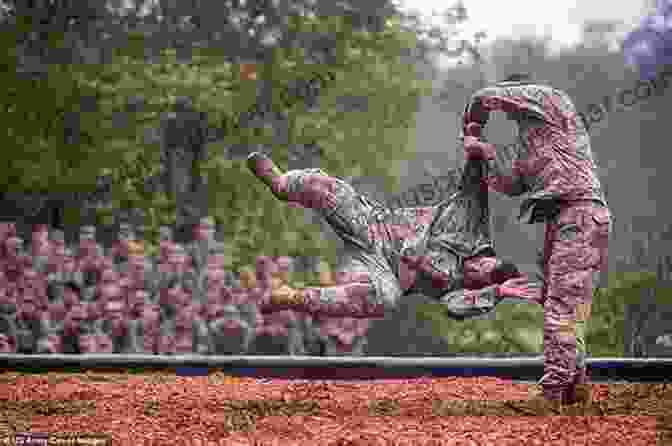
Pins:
x: 379, y: 241
x: 553, y: 164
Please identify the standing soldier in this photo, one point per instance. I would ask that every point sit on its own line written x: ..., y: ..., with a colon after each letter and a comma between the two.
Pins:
x: 553, y: 164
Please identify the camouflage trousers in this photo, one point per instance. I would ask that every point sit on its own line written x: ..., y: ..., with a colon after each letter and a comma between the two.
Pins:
x: 575, y: 253
x: 373, y: 252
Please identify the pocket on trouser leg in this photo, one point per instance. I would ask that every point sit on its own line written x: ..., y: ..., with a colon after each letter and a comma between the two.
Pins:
x: 560, y: 348
x: 581, y: 347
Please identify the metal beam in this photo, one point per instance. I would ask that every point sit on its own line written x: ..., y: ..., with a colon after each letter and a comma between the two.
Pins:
x: 351, y: 368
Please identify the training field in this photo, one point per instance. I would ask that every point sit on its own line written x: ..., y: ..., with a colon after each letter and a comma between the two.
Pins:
x: 164, y: 409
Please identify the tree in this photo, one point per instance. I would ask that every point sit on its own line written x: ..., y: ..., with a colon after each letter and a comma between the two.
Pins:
x: 96, y: 115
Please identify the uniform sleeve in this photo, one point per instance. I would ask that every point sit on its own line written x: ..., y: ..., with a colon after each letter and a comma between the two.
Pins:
x: 503, y: 174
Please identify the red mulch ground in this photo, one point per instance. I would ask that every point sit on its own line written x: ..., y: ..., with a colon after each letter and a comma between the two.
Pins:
x: 158, y: 409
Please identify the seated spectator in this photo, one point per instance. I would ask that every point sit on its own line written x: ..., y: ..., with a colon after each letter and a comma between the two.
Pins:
x: 7, y: 230
x: 340, y: 336
x: 121, y: 247
x: 148, y: 331
x: 108, y: 291
x: 247, y: 298
x: 165, y: 241
x: 184, y: 335
x: 76, y: 324
x: 54, y: 317
x: 9, y: 342
x: 14, y: 258
x: 280, y: 332
x: 215, y: 276
x: 30, y: 324
x: 8, y: 301
x: 106, y: 345
x: 216, y: 292
x: 71, y: 295
x: 137, y: 302
x: 51, y: 344
x: 40, y: 247
x: 230, y: 333
x: 31, y: 280
x: 89, y: 252
x: 175, y: 267
x: 115, y: 324
x: 87, y: 343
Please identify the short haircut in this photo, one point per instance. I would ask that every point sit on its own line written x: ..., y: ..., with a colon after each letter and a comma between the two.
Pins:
x: 518, y: 77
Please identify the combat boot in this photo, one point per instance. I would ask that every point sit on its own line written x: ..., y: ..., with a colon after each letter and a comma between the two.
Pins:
x: 581, y: 392
x: 540, y: 405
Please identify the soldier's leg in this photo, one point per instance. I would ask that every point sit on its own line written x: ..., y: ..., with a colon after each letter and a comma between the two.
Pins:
x: 578, y: 241
x: 482, y: 271
x: 336, y: 201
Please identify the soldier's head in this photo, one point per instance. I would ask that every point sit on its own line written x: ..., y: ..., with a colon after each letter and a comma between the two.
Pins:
x: 111, y: 290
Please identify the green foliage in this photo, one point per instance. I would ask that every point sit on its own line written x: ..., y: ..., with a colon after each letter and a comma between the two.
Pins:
x: 353, y: 141
x: 108, y: 139
x: 517, y: 328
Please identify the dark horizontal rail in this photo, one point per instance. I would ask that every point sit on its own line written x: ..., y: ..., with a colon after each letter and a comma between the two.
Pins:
x: 352, y: 368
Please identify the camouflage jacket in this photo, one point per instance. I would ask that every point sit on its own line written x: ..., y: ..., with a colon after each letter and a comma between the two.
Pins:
x: 552, y: 160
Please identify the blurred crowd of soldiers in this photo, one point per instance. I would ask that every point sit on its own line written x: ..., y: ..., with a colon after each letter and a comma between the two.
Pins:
x: 86, y: 299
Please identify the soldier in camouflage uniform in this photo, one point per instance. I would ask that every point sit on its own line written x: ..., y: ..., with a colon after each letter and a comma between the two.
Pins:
x: 438, y: 251
x: 230, y: 333
x: 553, y: 164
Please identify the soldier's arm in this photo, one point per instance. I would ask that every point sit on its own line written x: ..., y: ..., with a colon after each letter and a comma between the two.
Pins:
x: 502, y: 173
x: 502, y: 169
